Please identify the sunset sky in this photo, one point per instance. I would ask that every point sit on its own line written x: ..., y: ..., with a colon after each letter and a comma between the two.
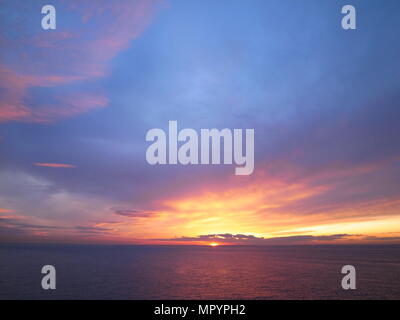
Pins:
x: 76, y: 103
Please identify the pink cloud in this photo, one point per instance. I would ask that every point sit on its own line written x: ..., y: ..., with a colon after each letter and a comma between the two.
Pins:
x: 54, y: 165
x: 14, y: 96
x: 2, y: 210
x: 81, y: 53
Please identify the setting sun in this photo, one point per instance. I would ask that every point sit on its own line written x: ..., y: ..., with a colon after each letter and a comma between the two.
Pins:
x: 214, y: 244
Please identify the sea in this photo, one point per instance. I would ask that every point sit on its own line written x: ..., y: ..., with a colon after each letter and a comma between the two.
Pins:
x: 199, y: 272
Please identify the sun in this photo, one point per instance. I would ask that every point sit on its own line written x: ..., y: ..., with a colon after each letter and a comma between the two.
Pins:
x: 214, y: 244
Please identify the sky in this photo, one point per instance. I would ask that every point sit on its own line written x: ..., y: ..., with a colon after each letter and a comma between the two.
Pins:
x: 76, y: 104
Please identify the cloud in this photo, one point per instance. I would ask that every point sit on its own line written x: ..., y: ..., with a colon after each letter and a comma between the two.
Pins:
x: 242, y: 239
x: 17, y: 102
x: 92, y: 229
x: 2, y: 210
x: 14, y: 225
x: 54, y: 165
x: 52, y: 205
x: 228, y: 236
x: 97, y: 33
x: 386, y: 239
x: 134, y: 213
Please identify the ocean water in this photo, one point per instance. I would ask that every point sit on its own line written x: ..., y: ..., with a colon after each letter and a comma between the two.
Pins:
x: 194, y: 272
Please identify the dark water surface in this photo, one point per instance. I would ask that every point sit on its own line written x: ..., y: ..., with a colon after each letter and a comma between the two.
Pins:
x: 170, y: 272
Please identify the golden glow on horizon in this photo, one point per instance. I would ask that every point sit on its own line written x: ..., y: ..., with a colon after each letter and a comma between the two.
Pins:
x: 259, y: 215
x: 376, y: 226
x: 214, y: 244
x: 261, y: 208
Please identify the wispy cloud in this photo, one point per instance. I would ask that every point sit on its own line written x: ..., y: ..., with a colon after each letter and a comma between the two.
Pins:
x: 242, y: 239
x: 72, y: 57
x: 92, y: 229
x: 15, y: 225
x: 134, y: 213
x: 2, y: 210
x: 382, y: 239
x: 54, y: 165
